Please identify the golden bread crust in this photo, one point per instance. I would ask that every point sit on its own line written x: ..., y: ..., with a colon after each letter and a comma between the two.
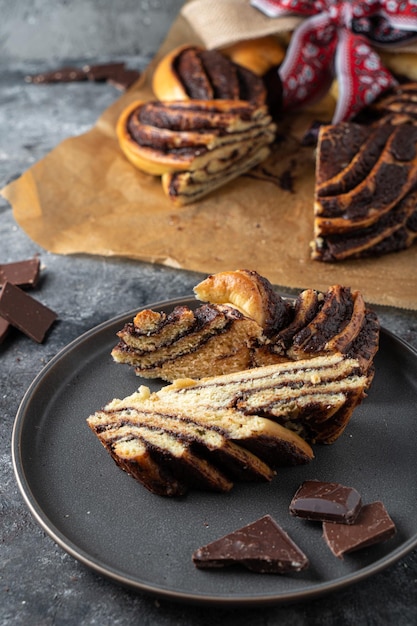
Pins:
x: 166, y: 84
x: 258, y: 55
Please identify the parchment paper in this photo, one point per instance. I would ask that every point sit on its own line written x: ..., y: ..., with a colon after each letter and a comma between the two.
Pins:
x: 85, y: 197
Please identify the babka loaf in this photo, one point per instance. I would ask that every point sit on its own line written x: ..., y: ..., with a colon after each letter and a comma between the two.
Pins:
x: 366, y: 186
x: 237, y: 427
x: 247, y: 324
x: 195, y: 145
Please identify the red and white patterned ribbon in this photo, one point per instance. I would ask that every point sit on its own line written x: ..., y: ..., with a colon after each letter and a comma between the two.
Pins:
x: 336, y: 41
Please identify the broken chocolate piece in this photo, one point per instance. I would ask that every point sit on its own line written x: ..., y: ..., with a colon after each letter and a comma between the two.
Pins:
x: 4, y: 329
x: 325, y: 501
x: 25, y: 313
x: 123, y: 79
x: 262, y: 547
x: 62, y: 75
x: 102, y: 71
x: 21, y: 273
x: 114, y: 73
x: 372, y: 526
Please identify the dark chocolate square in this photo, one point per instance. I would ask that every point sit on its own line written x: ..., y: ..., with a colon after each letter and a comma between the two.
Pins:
x: 25, y: 313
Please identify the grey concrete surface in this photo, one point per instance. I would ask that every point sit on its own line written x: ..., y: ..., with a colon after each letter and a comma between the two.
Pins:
x: 48, y: 30
x: 40, y: 584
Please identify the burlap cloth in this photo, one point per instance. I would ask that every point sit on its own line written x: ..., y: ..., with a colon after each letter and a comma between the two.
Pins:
x: 85, y: 197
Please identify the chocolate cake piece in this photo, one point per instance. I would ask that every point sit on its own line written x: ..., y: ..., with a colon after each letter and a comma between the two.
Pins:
x: 262, y: 547
x: 306, y: 306
x: 197, y: 115
x: 373, y: 525
x: 171, y: 454
x: 366, y: 190
x: 326, y: 501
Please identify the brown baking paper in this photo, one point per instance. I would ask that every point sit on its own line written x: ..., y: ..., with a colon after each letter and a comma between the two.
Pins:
x: 85, y: 197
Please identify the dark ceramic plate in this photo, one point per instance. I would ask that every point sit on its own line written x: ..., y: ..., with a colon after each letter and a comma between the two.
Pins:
x: 109, y: 522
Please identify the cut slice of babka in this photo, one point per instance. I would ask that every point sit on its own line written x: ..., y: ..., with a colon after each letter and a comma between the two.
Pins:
x: 237, y: 427
x: 190, y: 186
x: 185, y: 342
x: 217, y: 337
x: 171, y: 448
x: 244, y: 323
x: 311, y: 397
x: 366, y: 189
x: 195, y: 145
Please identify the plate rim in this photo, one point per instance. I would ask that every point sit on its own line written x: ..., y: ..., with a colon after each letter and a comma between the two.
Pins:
x: 311, y: 592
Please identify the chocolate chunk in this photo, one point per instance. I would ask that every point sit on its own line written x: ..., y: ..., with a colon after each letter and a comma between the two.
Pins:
x: 114, y: 73
x: 123, y: 79
x: 102, y: 71
x: 324, y: 501
x: 21, y: 273
x: 262, y: 547
x: 62, y: 75
x: 4, y: 329
x: 372, y: 526
x: 25, y: 313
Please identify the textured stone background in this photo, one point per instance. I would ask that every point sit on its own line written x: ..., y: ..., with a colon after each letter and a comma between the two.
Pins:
x: 48, y: 30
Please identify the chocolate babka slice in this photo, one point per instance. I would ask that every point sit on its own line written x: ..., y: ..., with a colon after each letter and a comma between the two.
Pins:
x: 195, y: 145
x: 366, y: 190
x: 212, y: 338
x: 185, y: 187
x: 244, y: 323
x: 170, y: 447
x: 209, y: 433
x: 314, y: 397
